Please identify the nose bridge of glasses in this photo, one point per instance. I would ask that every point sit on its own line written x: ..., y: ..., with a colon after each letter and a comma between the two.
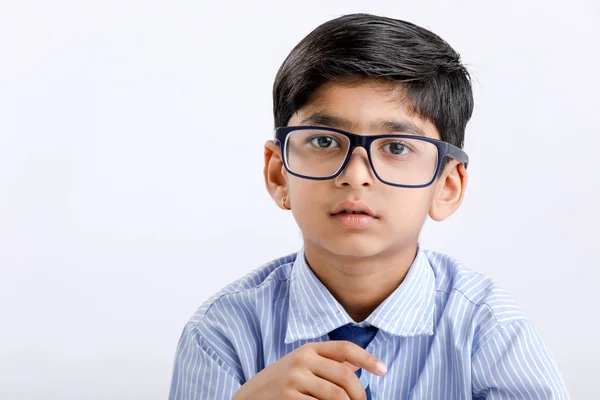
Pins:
x: 358, y: 153
x: 356, y: 149
x: 356, y: 142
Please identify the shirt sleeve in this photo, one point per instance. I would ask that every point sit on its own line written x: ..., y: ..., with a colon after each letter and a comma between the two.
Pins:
x: 199, y: 372
x: 514, y: 363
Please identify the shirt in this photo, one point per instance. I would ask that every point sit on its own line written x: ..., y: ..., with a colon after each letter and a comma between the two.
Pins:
x: 446, y: 332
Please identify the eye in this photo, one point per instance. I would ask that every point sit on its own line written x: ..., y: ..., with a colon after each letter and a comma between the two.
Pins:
x: 396, y: 148
x: 324, y: 142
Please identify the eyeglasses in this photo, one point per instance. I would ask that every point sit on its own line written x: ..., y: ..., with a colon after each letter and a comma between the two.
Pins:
x: 320, y: 153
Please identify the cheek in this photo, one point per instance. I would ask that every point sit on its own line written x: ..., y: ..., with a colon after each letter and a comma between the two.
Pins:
x: 308, y: 198
x: 409, y: 206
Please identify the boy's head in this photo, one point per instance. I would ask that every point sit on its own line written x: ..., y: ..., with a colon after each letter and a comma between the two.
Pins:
x: 368, y: 75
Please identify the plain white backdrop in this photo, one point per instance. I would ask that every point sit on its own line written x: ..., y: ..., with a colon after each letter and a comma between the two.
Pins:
x: 131, y: 137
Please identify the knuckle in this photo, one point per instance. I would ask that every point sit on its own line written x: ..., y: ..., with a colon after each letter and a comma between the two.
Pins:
x: 294, y: 380
x: 307, y: 347
x: 301, y: 358
x: 346, y: 346
x: 337, y: 393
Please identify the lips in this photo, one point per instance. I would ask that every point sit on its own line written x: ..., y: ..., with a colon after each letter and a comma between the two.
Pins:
x: 354, y: 221
x: 353, y: 207
x: 354, y: 215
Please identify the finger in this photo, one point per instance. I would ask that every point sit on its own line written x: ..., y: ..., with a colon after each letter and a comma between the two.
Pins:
x: 302, y: 396
x: 343, y: 350
x: 352, y: 366
x: 339, y: 374
x: 325, y: 390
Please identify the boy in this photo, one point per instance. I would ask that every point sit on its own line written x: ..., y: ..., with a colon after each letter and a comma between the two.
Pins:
x: 370, y: 115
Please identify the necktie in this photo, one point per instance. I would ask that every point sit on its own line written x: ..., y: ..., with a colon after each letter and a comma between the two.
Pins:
x: 355, y: 334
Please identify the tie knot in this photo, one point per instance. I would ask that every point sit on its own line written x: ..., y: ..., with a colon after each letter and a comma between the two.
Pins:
x: 359, y: 335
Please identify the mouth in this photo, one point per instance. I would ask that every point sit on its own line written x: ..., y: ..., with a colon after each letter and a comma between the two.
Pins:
x: 353, y: 208
x: 354, y: 215
x: 352, y: 212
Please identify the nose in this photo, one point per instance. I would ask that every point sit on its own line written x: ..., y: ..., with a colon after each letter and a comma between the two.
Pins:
x: 358, y: 171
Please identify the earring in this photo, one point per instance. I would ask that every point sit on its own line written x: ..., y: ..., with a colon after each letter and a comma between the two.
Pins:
x: 283, y: 201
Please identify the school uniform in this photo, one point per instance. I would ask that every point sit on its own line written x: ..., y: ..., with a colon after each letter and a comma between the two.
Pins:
x: 445, y: 333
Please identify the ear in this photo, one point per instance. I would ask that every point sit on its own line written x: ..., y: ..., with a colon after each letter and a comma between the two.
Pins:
x: 449, y: 192
x: 275, y: 173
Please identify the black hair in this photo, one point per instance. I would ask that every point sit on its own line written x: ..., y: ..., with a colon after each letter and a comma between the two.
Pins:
x: 436, y: 84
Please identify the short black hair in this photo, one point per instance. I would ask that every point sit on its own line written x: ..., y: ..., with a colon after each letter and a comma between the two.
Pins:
x: 436, y: 84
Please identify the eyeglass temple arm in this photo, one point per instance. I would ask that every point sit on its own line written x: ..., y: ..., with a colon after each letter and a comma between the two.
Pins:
x: 458, y: 154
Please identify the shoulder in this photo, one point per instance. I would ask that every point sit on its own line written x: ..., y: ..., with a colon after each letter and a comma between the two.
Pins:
x: 228, y: 320
x: 455, y: 279
x: 258, y: 280
x: 491, y: 306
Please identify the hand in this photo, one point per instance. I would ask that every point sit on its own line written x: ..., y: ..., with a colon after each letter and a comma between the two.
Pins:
x: 317, y: 370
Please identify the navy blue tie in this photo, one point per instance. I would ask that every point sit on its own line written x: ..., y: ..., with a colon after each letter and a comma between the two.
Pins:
x: 355, y: 334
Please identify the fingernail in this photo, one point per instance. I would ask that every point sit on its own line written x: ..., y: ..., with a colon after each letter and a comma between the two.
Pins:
x: 381, y: 368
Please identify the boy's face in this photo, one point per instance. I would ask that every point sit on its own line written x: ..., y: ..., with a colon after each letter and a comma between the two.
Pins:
x: 398, y: 213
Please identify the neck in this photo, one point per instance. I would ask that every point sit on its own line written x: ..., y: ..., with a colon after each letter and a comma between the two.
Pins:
x: 360, y: 284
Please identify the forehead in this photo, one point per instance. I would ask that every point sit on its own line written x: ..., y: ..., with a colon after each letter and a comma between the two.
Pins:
x: 364, y: 106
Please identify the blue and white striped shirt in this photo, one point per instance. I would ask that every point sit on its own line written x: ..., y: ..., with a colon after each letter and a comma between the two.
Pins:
x: 445, y: 333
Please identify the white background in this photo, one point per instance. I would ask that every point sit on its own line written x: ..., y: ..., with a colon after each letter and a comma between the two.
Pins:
x: 131, y: 189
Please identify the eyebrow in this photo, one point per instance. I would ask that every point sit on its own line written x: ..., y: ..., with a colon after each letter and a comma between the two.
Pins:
x: 332, y: 121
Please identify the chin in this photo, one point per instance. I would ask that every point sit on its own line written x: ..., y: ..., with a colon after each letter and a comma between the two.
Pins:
x: 354, y: 247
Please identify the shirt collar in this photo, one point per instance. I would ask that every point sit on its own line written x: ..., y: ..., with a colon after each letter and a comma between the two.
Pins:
x: 314, y: 312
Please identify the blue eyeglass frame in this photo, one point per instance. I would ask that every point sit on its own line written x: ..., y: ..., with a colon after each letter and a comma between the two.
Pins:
x: 445, y: 150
